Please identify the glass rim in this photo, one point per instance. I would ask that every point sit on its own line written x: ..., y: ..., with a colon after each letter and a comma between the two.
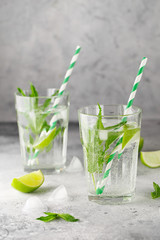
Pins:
x: 65, y: 93
x: 138, y: 111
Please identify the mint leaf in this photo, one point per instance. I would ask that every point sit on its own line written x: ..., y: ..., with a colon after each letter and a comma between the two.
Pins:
x: 21, y: 92
x: 31, y: 140
x: 58, y: 130
x: 67, y: 217
x: 36, y: 122
x: 99, y: 124
x: 28, y: 149
x: 48, y: 101
x: 47, y: 218
x: 54, y: 94
x: 94, y: 148
x: 156, y: 193
x: 91, y: 160
x: 34, y: 92
x: 53, y: 216
x: 94, y: 152
x: 117, y: 126
x: 45, y: 126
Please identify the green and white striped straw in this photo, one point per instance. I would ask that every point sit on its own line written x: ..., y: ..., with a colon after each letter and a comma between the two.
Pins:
x: 63, y: 86
x: 54, y: 119
x: 101, y: 186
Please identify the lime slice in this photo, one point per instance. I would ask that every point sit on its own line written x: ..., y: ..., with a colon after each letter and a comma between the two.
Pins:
x: 141, y: 142
x: 129, y: 134
x: 150, y: 159
x: 29, y: 182
x: 112, y: 136
x: 45, y: 140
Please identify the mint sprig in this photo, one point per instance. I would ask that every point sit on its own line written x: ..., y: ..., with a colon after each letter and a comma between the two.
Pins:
x: 37, y: 121
x: 156, y: 193
x: 53, y: 216
x: 97, y: 149
x: 34, y: 92
x: 99, y: 124
x: 48, y: 100
x: 21, y: 92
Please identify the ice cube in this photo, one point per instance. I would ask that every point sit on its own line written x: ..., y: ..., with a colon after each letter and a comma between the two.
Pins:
x: 34, y: 207
x: 75, y: 165
x: 59, y: 195
x: 103, y: 135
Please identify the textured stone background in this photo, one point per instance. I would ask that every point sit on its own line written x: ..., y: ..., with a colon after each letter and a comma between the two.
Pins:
x: 38, y: 38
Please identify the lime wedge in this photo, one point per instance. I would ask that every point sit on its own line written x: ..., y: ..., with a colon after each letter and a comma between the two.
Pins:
x: 29, y: 182
x: 129, y: 134
x: 141, y: 142
x: 45, y: 140
x: 150, y: 159
x: 112, y: 136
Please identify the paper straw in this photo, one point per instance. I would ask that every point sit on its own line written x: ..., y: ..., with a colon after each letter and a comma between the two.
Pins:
x: 54, y: 119
x: 101, y: 186
x: 63, y: 86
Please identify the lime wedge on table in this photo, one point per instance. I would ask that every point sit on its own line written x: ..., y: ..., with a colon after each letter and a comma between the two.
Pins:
x: 29, y: 182
x: 150, y: 159
x: 45, y: 140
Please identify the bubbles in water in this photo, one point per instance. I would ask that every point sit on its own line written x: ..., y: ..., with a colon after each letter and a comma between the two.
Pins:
x: 34, y: 207
x: 75, y: 165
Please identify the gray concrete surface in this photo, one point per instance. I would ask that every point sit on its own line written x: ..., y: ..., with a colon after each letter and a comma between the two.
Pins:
x: 38, y: 38
x: 136, y: 221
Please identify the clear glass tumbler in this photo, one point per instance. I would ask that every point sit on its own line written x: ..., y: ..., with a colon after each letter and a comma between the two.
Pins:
x: 110, y: 142
x: 42, y: 147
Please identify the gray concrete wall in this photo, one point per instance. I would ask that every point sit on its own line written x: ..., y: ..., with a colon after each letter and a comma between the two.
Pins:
x: 38, y: 38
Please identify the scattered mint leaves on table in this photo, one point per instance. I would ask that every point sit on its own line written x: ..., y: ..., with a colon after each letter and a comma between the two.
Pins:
x: 156, y: 193
x: 53, y: 216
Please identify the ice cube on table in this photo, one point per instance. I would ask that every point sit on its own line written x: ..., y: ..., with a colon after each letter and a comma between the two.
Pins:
x: 75, y: 165
x: 59, y: 195
x: 34, y: 207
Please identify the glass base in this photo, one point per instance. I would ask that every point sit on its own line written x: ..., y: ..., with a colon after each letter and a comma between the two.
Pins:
x: 112, y: 200
x: 46, y: 171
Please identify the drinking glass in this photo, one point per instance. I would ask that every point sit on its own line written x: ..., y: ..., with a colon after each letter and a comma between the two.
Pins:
x: 110, y: 141
x: 43, y: 147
